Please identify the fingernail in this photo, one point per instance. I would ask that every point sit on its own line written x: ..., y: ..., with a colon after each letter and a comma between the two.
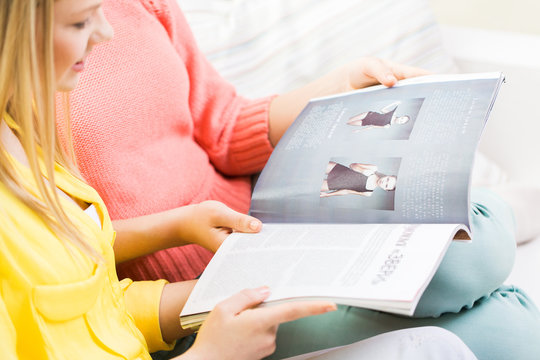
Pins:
x: 332, y: 307
x: 254, y: 225
x: 391, y: 78
x: 264, y: 290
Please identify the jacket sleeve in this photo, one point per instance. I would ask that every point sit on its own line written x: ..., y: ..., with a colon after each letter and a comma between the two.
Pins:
x: 233, y: 130
x: 142, y: 301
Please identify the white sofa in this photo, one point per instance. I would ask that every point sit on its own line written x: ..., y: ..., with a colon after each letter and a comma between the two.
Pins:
x: 511, y: 136
x: 268, y: 46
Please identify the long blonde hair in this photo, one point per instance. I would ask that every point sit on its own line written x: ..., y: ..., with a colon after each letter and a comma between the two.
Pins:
x: 27, y: 95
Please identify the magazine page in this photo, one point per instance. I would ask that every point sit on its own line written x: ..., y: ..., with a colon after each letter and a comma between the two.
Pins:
x: 380, y: 155
x: 379, y: 266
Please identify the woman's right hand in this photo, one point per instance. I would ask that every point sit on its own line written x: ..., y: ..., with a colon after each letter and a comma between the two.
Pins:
x: 236, y: 330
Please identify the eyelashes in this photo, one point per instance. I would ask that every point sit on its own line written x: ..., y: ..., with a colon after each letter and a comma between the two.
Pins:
x: 81, y: 25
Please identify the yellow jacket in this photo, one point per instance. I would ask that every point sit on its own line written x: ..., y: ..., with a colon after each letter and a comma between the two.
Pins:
x: 56, y: 303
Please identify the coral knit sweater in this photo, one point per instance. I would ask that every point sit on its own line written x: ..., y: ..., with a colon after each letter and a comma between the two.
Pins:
x: 155, y: 127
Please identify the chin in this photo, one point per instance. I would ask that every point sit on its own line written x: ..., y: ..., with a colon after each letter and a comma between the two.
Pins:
x: 67, y: 84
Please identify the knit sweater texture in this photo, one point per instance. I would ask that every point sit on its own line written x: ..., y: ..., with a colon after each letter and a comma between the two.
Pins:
x: 156, y: 127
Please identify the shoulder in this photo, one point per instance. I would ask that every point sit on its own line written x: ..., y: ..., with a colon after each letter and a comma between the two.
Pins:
x: 7, y: 200
x: 158, y: 7
x: 11, y: 206
x: 14, y: 214
x: 168, y: 13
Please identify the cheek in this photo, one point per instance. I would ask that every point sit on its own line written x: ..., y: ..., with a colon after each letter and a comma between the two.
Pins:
x: 65, y: 55
x: 59, y: 58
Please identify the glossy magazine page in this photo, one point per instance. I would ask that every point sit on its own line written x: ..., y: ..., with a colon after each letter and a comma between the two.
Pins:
x: 380, y: 155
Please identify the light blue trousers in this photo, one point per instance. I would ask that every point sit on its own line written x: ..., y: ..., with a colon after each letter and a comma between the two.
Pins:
x: 465, y: 296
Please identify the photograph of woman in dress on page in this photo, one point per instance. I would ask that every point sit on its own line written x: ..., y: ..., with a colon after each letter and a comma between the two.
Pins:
x: 394, y: 119
x: 362, y: 179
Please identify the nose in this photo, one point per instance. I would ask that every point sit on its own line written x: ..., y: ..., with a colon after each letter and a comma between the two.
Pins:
x: 103, y: 30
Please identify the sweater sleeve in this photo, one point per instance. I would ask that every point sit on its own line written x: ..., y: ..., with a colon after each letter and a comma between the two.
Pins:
x: 232, y: 130
x: 142, y: 302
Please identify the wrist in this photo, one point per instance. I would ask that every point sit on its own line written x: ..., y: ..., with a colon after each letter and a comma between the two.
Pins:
x: 190, y: 354
x: 173, y: 299
x: 178, y: 224
x: 195, y: 353
x: 276, y: 113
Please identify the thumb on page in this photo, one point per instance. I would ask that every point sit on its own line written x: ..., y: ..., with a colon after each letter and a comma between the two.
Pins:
x: 239, y: 222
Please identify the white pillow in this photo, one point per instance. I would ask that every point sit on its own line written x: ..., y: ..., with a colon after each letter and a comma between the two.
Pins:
x: 270, y: 46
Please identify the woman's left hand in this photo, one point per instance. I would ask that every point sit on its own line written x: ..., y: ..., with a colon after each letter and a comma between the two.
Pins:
x: 369, y: 71
x: 357, y: 74
x: 210, y: 222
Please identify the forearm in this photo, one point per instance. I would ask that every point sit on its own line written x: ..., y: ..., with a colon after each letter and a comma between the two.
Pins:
x: 206, y: 224
x: 173, y: 299
x: 286, y: 107
x: 355, y: 75
x: 147, y: 234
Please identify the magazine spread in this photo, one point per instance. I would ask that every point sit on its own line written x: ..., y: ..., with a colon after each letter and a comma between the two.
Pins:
x: 360, y: 198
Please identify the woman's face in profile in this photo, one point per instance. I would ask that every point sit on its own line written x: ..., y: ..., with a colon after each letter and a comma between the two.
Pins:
x: 78, y: 26
x: 387, y: 182
x: 400, y: 120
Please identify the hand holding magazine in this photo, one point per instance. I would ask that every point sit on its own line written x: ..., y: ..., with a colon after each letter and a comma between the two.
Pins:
x: 360, y: 198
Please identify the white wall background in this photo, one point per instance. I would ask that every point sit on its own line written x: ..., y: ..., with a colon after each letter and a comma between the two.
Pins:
x: 508, y: 15
x: 502, y: 35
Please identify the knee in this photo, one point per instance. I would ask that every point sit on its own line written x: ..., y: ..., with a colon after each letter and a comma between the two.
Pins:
x: 512, y: 322
x: 470, y: 271
x: 515, y: 302
x: 493, y: 229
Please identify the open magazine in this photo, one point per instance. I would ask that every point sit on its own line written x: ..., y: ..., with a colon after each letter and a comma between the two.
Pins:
x: 360, y: 199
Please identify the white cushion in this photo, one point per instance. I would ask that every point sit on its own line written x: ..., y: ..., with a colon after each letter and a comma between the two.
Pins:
x: 270, y: 46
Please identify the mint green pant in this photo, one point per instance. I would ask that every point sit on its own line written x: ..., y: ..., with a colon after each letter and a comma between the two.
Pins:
x: 465, y: 296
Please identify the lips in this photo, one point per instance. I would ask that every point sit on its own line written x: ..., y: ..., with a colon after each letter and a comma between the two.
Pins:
x: 78, y: 66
